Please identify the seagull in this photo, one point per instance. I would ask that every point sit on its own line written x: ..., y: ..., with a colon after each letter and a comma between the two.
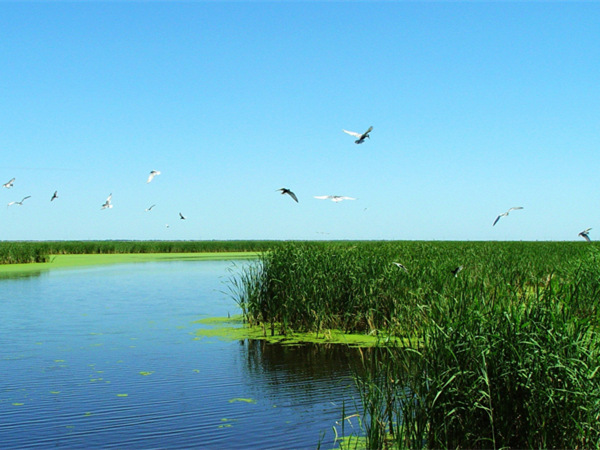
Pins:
x: 455, y: 271
x: 401, y: 266
x: 107, y: 203
x: 54, y: 196
x: 9, y: 184
x: 150, y: 208
x: 182, y: 217
x: 361, y: 137
x: 585, y: 234
x: 506, y: 214
x: 152, y: 175
x: 288, y: 192
x: 334, y: 198
x: 19, y: 203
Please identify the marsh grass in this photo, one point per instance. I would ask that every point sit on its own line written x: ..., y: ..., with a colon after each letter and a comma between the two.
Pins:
x: 15, y: 252
x: 505, y: 355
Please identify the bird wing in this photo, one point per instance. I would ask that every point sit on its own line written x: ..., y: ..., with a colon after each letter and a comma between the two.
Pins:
x: 25, y: 198
x: 353, y: 133
x: 346, y: 198
x: 323, y: 197
x: 108, y: 198
x: 367, y: 132
x: 150, y: 177
x: 497, y: 219
x: 11, y: 203
x: 585, y: 236
x: 514, y: 207
x: 291, y: 194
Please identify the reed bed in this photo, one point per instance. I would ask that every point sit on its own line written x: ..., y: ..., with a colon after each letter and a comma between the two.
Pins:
x: 503, y: 355
x: 40, y: 251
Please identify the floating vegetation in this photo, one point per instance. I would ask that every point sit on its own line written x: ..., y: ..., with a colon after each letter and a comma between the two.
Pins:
x: 145, y: 374
x: 122, y: 395
x: 243, y: 400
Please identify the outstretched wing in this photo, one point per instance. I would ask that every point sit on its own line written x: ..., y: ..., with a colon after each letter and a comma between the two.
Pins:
x: 514, y: 207
x: 352, y: 133
x: 367, y: 132
x: 291, y: 194
x: 323, y: 197
x: 497, y: 219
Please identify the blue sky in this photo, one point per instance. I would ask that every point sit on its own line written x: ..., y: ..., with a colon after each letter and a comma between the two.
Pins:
x: 475, y: 106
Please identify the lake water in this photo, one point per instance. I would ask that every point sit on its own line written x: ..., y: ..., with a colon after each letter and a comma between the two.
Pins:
x: 107, y: 357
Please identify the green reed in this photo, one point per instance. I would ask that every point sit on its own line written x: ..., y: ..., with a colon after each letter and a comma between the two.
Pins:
x: 40, y: 251
x: 506, y: 354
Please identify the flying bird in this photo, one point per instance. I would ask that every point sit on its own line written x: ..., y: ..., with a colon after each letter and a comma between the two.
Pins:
x: 457, y: 270
x: 107, y: 203
x: 506, y: 214
x: 152, y: 175
x: 334, y: 198
x: 19, y: 203
x: 585, y: 234
x: 54, y: 196
x: 9, y: 184
x: 401, y: 266
x: 182, y: 217
x: 150, y: 208
x: 361, y: 137
x: 288, y: 192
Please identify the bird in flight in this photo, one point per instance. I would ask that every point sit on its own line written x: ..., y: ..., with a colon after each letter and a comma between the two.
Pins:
x: 107, y: 203
x: 152, y: 175
x: 9, y: 184
x: 506, y: 214
x: 585, y: 234
x: 19, y: 203
x: 457, y: 270
x: 182, y: 217
x: 288, y: 192
x: 54, y: 196
x: 334, y: 198
x: 361, y: 137
x: 150, y: 208
x: 401, y: 266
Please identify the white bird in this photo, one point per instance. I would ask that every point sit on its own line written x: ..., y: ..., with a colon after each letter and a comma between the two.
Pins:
x: 288, y: 192
x: 19, y: 203
x: 54, y: 196
x: 107, y: 203
x: 152, y: 175
x: 401, y: 266
x: 182, y: 217
x: 9, y: 184
x: 334, y: 198
x: 585, y: 234
x: 457, y: 270
x: 150, y: 208
x: 361, y: 137
x: 506, y: 214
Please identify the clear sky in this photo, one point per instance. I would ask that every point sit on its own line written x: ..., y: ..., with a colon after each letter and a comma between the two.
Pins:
x: 476, y: 107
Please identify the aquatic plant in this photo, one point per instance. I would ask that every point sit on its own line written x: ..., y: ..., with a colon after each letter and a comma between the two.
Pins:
x: 503, y: 354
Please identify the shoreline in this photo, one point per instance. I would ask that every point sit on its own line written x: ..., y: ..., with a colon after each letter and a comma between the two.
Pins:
x: 83, y: 260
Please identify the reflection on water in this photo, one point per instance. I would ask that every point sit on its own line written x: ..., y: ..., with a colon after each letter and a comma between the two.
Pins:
x: 106, y: 357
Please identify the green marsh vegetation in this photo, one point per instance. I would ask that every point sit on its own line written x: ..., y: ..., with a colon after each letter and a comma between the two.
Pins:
x: 15, y: 252
x: 505, y: 354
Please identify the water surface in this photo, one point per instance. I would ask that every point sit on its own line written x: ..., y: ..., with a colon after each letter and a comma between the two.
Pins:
x: 105, y: 357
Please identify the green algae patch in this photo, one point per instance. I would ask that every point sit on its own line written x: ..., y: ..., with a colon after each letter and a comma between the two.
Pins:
x: 242, y: 400
x: 122, y: 395
x: 145, y: 374
x: 233, y: 329
x: 82, y: 260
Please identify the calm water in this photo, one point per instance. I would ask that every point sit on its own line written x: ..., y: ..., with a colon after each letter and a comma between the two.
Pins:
x: 107, y: 357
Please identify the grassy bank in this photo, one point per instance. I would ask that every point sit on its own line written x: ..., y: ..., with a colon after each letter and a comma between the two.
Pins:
x: 42, y: 251
x: 66, y: 261
x: 504, y: 353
